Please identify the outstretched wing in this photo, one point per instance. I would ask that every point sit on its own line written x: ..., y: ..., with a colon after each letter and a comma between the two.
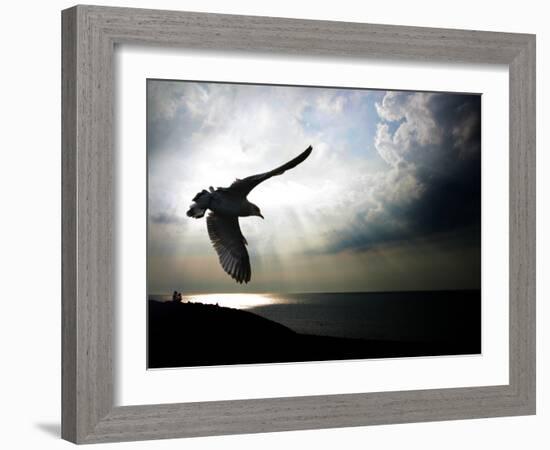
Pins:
x: 244, y: 186
x: 229, y: 243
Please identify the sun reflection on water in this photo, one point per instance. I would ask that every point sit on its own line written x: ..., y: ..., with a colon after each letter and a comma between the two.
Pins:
x: 239, y: 301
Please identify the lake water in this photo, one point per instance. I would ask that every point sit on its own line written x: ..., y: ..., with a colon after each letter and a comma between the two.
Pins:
x: 396, y: 316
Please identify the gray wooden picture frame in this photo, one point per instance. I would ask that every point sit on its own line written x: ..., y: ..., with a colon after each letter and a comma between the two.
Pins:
x: 89, y: 37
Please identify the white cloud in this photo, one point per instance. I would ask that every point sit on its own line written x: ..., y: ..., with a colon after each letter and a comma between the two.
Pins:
x: 418, y: 126
x: 244, y: 130
x: 330, y: 102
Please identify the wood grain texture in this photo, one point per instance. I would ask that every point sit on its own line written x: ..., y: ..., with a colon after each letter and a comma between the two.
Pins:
x: 68, y: 225
x: 523, y: 223
x: 89, y: 36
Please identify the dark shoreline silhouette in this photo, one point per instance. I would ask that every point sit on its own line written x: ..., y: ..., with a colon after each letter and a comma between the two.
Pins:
x: 196, y: 334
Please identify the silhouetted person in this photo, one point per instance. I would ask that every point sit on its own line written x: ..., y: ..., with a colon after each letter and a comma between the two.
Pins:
x: 175, y: 296
x: 179, y: 297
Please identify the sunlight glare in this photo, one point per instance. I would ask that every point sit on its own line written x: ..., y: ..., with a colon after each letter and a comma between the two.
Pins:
x: 238, y: 301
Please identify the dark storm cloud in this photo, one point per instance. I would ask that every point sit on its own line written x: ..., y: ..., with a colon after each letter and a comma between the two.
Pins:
x: 438, y: 155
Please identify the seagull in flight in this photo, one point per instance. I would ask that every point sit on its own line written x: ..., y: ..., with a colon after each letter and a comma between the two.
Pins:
x: 226, y: 205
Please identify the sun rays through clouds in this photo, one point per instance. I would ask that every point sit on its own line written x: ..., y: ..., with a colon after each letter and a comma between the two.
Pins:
x: 388, y: 200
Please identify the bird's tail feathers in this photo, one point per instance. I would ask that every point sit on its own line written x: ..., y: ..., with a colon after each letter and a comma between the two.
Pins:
x: 200, y: 195
x: 195, y: 212
x: 200, y: 205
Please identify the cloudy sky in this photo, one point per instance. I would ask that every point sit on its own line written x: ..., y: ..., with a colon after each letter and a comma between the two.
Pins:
x: 390, y: 198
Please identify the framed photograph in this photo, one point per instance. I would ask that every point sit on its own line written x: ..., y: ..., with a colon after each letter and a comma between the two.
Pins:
x: 374, y: 249
x: 279, y: 224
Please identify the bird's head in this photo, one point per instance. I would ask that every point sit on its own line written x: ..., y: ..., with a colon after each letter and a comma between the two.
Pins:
x: 255, y: 210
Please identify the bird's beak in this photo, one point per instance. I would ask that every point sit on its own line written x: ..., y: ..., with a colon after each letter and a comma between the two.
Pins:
x: 261, y: 216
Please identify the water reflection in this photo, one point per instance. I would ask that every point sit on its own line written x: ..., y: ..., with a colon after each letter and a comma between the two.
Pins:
x: 239, y: 301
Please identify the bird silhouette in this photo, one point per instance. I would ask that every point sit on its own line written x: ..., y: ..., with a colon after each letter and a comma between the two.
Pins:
x: 226, y: 205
